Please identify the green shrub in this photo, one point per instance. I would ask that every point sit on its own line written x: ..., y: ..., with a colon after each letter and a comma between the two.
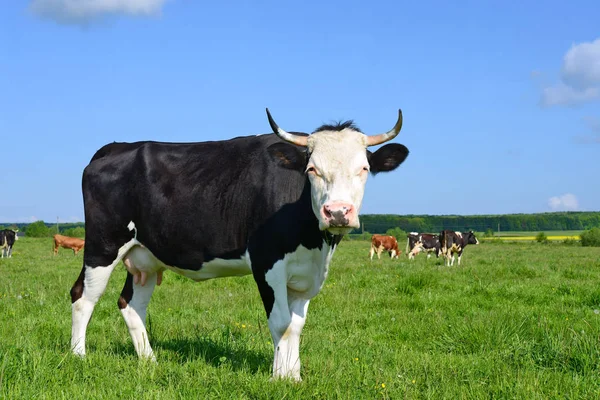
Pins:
x: 398, y: 233
x: 591, y: 237
x: 541, y: 238
x: 37, y: 229
x: 489, y: 232
x: 77, y: 232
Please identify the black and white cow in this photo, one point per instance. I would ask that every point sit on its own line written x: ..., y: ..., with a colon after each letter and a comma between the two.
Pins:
x: 7, y: 241
x: 427, y: 242
x: 455, y: 242
x: 274, y: 206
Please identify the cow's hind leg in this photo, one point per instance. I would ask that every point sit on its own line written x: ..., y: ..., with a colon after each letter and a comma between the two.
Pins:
x: 85, y: 293
x: 133, y: 304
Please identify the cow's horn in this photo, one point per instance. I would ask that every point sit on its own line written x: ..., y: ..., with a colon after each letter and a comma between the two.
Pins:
x: 384, y: 137
x: 288, y: 137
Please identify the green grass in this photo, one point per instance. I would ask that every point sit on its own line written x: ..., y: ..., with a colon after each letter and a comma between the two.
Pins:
x: 514, y: 321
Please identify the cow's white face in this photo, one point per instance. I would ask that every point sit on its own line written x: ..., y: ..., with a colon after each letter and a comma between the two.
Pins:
x: 336, y: 161
x: 337, y: 169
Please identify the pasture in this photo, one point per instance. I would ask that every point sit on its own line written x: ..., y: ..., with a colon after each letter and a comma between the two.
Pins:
x: 515, y: 320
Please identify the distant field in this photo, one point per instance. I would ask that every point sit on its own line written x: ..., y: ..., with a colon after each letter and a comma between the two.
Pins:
x: 533, y: 233
x: 520, y: 320
x: 530, y: 236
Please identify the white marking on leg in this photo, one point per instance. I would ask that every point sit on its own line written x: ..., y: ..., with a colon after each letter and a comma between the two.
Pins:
x: 459, y: 257
x: 294, y: 280
x: 379, y: 251
x: 94, y: 284
x: 134, y: 315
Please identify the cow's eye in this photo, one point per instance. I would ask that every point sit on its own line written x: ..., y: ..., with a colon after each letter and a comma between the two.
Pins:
x: 363, y: 170
x: 312, y: 170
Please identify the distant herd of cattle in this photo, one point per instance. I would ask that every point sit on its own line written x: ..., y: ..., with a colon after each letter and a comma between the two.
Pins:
x: 9, y: 236
x: 447, y: 244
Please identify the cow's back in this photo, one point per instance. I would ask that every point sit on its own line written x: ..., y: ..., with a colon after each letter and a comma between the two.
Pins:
x: 190, y: 202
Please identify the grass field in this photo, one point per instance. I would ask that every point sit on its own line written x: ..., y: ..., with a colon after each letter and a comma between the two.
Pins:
x: 514, y: 321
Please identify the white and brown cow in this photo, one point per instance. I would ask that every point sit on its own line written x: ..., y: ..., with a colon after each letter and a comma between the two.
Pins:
x: 381, y: 243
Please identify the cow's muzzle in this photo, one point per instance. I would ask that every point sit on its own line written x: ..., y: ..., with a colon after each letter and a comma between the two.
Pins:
x: 339, y: 215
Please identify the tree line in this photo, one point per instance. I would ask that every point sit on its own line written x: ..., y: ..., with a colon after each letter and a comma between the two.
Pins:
x: 45, y: 229
x: 555, y: 221
x: 381, y: 223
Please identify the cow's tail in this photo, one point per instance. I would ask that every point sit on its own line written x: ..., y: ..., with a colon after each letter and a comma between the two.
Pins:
x: 407, y: 242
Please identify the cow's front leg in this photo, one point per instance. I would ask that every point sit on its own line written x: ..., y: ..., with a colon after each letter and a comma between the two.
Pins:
x: 286, y: 319
x: 286, y: 323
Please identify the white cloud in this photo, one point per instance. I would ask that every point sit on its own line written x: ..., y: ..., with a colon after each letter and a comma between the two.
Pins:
x: 564, y: 95
x: 565, y: 202
x: 581, y: 65
x: 84, y: 11
x: 580, y: 77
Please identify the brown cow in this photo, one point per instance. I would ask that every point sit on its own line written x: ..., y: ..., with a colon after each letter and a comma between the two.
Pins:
x: 68, y: 243
x: 384, y: 242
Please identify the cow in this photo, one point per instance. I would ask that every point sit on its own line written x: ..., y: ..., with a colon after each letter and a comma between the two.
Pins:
x: 7, y: 241
x: 455, y: 242
x: 427, y: 242
x: 275, y: 206
x: 379, y: 243
x: 67, y: 242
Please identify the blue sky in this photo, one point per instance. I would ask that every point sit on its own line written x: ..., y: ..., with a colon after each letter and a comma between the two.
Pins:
x: 501, y: 100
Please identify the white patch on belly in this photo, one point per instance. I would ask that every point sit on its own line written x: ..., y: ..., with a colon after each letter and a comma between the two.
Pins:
x: 218, y: 268
x: 144, y: 261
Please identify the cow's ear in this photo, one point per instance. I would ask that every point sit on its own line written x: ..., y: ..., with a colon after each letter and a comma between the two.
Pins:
x: 387, y: 158
x: 288, y: 156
